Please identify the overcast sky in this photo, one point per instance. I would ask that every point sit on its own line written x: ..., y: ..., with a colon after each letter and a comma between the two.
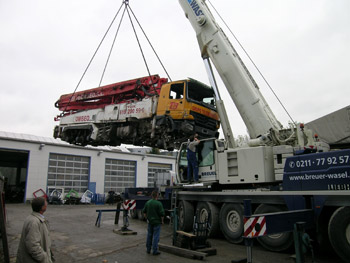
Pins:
x: 301, y: 47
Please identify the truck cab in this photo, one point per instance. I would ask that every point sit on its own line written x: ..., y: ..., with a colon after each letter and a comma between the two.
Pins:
x: 226, y: 166
x: 191, y: 106
x: 207, y: 157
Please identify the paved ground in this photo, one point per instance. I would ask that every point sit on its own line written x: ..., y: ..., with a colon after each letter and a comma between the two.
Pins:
x: 76, y: 239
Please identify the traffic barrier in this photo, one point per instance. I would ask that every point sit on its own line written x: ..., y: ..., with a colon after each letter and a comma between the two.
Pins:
x: 273, y: 223
x: 129, y: 204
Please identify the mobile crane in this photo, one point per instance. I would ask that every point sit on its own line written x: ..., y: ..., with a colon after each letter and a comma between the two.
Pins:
x: 282, y: 169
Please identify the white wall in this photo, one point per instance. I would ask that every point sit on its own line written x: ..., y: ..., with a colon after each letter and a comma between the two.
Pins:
x: 39, y: 162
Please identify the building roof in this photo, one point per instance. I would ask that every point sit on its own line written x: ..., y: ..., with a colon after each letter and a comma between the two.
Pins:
x: 53, y: 141
x: 333, y: 128
x: 30, y: 138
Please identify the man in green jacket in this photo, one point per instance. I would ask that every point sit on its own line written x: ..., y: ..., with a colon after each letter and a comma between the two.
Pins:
x: 154, y: 213
x: 35, y: 243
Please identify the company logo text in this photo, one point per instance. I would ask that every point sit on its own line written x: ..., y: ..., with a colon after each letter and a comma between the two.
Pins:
x: 195, y: 7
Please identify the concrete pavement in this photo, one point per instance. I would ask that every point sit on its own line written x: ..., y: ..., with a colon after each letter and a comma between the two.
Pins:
x: 76, y: 239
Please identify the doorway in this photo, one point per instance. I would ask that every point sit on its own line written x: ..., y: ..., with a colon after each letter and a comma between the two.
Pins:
x: 13, y: 166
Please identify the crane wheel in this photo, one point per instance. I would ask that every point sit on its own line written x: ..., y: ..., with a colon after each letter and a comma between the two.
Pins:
x: 186, y: 214
x: 339, y: 232
x: 231, y: 222
x: 206, y: 208
x: 277, y: 242
x: 140, y: 215
x: 133, y: 214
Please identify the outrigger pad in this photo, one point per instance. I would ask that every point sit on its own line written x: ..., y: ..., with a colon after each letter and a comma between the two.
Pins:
x: 124, y: 231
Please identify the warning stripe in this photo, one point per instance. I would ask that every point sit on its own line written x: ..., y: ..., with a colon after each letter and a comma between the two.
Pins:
x: 254, y: 226
x: 129, y: 204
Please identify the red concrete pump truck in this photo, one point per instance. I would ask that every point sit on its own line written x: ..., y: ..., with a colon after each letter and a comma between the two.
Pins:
x: 146, y: 111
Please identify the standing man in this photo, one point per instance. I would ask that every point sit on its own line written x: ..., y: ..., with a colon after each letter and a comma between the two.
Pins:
x: 192, y: 165
x: 35, y: 243
x: 154, y: 213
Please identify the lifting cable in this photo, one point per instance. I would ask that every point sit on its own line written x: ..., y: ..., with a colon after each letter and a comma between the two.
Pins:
x: 110, y: 51
x: 138, y: 42
x: 149, y: 42
x: 127, y: 7
x: 251, y: 60
x: 92, y: 58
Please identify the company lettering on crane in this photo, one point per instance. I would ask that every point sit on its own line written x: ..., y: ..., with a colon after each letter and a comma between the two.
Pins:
x: 195, y: 7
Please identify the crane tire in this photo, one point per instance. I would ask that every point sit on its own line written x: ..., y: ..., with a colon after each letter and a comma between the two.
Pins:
x: 277, y: 242
x: 133, y: 214
x: 186, y: 214
x: 339, y: 232
x: 203, y: 209
x: 140, y: 215
x: 231, y: 222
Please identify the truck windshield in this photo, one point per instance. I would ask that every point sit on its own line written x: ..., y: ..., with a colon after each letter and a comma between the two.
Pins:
x: 201, y: 94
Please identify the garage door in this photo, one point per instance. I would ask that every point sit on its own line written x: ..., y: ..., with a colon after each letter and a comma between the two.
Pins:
x: 68, y: 172
x: 119, y: 174
x: 156, y: 168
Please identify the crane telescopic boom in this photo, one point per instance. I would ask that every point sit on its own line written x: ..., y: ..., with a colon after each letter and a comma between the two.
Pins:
x: 213, y: 44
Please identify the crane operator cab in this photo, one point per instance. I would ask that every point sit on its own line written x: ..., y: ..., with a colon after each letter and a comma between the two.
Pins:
x: 206, y: 154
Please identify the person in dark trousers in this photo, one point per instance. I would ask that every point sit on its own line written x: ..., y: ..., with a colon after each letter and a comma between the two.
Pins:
x: 35, y: 243
x: 154, y: 213
x: 192, y: 165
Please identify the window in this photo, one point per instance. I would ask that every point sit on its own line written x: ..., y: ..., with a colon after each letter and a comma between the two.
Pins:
x: 201, y: 94
x: 154, y: 169
x: 119, y: 174
x: 206, y: 153
x: 177, y: 91
x: 69, y: 172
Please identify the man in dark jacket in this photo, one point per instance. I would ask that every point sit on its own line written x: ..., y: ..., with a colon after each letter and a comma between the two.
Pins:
x: 154, y: 213
x: 35, y: 243
x: 192, y: 163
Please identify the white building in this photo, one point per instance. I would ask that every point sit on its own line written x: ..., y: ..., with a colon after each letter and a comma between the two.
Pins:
x: 30, y: 163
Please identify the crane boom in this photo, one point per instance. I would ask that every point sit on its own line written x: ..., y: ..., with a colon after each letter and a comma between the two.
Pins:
x: 213, y: 43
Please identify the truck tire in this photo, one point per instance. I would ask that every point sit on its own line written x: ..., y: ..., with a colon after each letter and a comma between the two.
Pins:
x: 276, y: 242
x: 186, y: 214
x: 231, y: 222
x: 339, y: 232
x: 140, y: 215
x: 322, y: 231
x: 203, y: 209
x: 133, y: 213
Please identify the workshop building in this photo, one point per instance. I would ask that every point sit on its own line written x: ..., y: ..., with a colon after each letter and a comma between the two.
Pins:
x: 30, y: 163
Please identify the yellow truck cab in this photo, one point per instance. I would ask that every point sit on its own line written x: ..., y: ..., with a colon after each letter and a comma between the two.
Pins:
x: 190, y: 104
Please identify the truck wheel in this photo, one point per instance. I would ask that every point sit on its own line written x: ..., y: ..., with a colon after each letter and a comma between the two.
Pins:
x: 231, y: 222
x: 133, y: 213
x: 322, y: 231
x: 186, y: 214
x: 204, y: 208
x: 339, y: 232
x: 276, y: 242
x: 140, y: 215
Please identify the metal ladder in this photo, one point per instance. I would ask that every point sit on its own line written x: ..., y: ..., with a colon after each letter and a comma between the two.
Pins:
x: 173, y: 218
x: 173, y: 202
x: 173, y: 199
